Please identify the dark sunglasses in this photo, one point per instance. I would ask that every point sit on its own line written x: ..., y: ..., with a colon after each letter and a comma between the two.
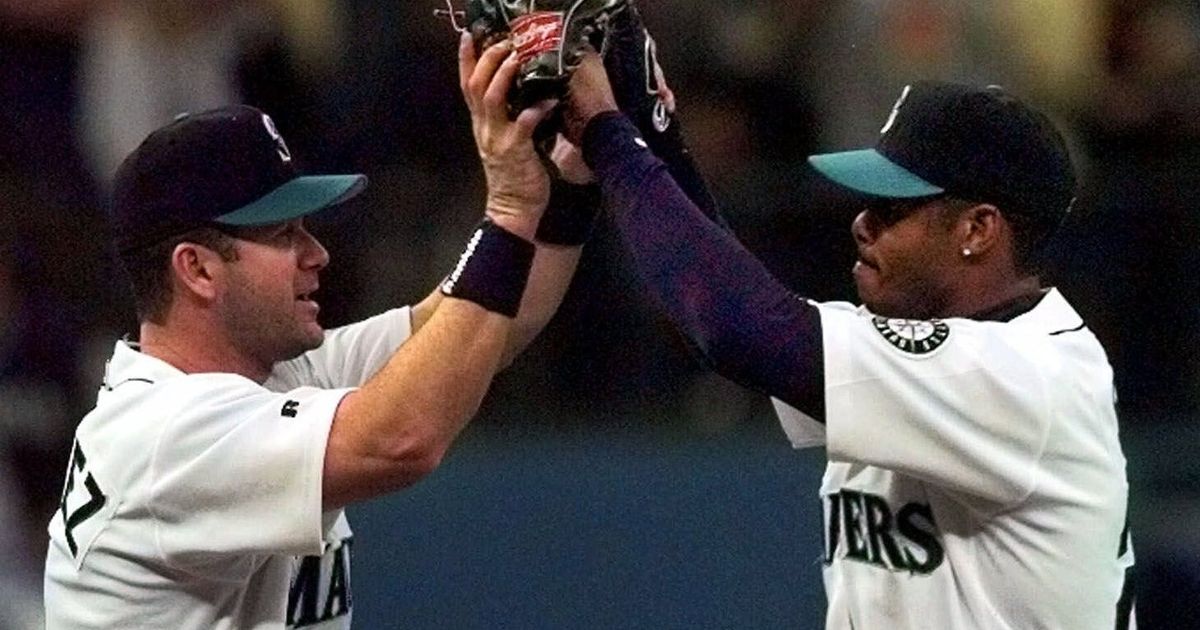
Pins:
x: 889, y: 211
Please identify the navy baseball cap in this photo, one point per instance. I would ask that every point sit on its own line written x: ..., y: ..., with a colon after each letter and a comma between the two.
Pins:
x: 228, y: 166
x: 975, y: 143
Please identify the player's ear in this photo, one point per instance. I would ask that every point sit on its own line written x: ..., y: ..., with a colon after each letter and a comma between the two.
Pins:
x: 980, y: 229
x: 196, y: 270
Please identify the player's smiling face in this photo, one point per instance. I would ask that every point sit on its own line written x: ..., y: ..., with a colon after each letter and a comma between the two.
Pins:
x: 906, y: 259
x: 268, y: 306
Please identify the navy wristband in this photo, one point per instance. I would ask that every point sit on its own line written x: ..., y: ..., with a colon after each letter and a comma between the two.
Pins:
x: 570, y: 214
x: 493, y: 270
x: 601, y: 134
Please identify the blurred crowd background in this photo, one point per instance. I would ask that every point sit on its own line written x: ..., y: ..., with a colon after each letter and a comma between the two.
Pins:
x: 370, y: 86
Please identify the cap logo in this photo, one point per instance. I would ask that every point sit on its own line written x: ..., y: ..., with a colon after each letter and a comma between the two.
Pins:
x: 896, y: 110
x: 280, y: 146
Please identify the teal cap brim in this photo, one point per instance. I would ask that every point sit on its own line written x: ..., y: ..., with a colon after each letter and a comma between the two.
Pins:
x: 868, y: 171
x: 300, y: 197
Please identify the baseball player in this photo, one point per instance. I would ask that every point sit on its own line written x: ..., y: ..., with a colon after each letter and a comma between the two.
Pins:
x: 206, y: 489
x: 975, y: 478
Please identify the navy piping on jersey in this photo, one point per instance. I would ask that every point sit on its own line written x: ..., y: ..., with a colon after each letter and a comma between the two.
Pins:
x: 1011, y: 309
x: 1078, y: 328
x: 1019, y: 306
x: 128, y: 380
x: 136, y: 345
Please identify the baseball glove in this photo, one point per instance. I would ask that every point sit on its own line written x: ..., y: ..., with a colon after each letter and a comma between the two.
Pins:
x: 549, y: 37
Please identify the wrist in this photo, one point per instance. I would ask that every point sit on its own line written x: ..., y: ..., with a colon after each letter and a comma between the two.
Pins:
x: 608, y: 131
x: 570, y: 214
x: 523, y: 224
x: 575, y: 123
x: 575, y: 174
x: 493, y: 270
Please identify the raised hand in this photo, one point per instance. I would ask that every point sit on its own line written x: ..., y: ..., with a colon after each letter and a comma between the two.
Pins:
x: 518, y: 185
x: 590, y: 94
x: 569, y: 161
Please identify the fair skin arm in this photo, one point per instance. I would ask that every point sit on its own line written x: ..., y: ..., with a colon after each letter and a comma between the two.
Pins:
x: 396, y: 428
x: 549, y: 279
x: 553, y: 267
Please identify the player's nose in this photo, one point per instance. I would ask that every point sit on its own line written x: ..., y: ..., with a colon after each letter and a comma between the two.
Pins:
x: 315, y: 256
x: 862, y: 229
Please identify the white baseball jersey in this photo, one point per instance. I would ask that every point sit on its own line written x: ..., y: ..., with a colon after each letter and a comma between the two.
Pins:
x: 194, y: 500
x: 975, y: 478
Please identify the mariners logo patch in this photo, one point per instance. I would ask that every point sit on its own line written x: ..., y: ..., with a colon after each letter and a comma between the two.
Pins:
x: 911, y: 335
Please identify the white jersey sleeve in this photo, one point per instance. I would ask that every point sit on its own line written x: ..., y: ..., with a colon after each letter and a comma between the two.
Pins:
x: 238, y: 469
x: 961, y: 404
x: 349, y: 355
x: 186, y: 500
x: 802, y: 430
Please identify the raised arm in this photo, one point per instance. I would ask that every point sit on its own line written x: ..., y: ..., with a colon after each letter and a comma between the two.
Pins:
x: 640, y: 91
x: 736, y: 316
x: 397, y: 427
x: 554, y: 262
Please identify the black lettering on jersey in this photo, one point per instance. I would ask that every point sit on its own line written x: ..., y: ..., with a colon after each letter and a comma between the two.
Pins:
x: 923, y: 535
x: 302, y: 597
x: 338, y: 602
x: 879, y: 533
x: 1126, y: 602
x: 289, y: 409
x: 852, y: 513
x: 834, y: 534
x: 907, y: 540
x: 1123, y: 546
x: 911, y: 335
x: 308, y: 603
x: 96, y: 499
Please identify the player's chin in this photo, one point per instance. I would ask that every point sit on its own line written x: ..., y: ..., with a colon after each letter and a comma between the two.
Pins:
x: 300, y: 343
x: 877, y: 300
x: 310, y: 328
x: 309, y: 337
x: 866, y: 281
x: 314, y: 336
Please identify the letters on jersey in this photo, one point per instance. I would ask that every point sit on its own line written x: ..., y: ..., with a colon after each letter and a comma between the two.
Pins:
x: 81, y: 505
x: 320, y: 589
x: 974, y: 472
x: 862, y: 526
x: 166, y: 454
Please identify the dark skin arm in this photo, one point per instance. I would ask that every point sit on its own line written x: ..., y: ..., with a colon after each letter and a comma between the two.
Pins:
x: 735, y: 315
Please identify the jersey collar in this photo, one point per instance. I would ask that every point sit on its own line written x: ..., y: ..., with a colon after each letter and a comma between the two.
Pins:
x: 1054, y: 314
x: 1011, y: 309
x: 128, y: 363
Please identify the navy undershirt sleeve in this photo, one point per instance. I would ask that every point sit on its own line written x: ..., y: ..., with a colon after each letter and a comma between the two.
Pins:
x: 735, y: 315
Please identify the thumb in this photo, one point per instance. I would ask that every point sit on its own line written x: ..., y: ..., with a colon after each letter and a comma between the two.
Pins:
x: 529, y: 119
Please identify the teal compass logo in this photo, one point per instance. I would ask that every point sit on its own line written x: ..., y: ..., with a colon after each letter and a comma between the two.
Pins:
x: 913, y: 336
